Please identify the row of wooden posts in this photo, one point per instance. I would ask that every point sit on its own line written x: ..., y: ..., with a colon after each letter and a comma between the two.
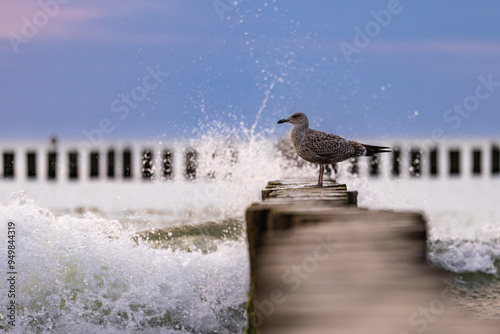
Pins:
x: 129, y: 163
x: 118, y: 164
x: 453, y: 157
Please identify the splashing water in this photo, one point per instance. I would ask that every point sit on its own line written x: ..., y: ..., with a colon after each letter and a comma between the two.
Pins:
x: 88, y: 274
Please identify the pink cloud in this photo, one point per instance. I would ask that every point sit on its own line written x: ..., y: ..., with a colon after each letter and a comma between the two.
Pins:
x: 15, y: 14
x: 72, y: 22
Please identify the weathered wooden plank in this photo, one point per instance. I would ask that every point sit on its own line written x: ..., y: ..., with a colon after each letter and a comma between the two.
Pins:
x: 302, y: 190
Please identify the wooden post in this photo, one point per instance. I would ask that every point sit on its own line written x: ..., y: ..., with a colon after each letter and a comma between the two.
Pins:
x: 31, y: 166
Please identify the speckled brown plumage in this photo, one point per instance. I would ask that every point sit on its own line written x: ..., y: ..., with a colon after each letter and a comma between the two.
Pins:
x: 324, y: 148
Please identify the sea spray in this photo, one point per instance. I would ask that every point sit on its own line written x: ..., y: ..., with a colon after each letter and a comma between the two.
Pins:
x: 89, y: 274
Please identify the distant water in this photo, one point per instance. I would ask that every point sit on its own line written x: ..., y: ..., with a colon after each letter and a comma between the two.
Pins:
x: 171, y: 257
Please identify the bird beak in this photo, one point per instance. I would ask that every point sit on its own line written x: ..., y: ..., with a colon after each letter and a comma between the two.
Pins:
x: 284, y: 120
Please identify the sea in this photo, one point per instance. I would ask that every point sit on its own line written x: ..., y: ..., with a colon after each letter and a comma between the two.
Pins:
x: 136, y: 256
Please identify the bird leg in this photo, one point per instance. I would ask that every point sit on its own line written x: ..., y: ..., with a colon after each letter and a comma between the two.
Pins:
x: 320, y: 178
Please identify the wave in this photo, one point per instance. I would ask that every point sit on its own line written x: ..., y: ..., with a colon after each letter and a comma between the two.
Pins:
x: 466, y: 256
x: 90, y: 274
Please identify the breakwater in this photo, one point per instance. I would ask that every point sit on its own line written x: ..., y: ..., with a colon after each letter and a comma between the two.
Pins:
x: 139, y: 160
x: 320, y: 264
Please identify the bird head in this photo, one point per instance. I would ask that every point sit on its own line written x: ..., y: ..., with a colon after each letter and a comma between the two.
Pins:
x: 297, y: 118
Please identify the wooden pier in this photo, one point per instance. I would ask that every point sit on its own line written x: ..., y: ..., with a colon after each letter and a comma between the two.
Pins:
x: 320, y: 264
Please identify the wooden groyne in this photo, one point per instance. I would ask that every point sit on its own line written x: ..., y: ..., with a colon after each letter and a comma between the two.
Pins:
x: 320, y: 264
x: 99, y: 160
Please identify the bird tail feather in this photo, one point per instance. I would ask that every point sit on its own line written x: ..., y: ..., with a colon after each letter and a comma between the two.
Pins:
x: 371, y: 150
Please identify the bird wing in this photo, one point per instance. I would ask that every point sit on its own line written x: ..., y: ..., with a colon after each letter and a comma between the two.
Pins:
x: 326, y: 144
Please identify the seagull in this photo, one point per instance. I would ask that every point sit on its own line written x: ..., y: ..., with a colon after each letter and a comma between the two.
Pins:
x: 324, y: 148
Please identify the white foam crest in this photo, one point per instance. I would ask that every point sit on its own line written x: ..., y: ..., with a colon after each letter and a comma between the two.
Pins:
x: 88, y: 274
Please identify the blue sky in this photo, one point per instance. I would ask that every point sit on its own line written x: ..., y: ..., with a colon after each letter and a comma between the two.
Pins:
x: 154, y: 69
